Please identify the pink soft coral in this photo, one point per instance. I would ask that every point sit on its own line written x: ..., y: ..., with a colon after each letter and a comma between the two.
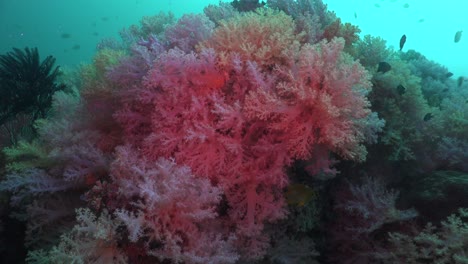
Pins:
x: 240, y: 125
x: 189, y: 31
x: 170, y: 208
x: 240, y: 119
x: 364, y: 215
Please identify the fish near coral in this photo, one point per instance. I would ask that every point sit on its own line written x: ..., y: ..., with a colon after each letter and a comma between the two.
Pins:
x: 401, y: 89
x: 384, y: 67
x: 402, y: 41
x: 299, y: 194
x: 460, y: 81
x: 458, y: 36
x: 428, y: 117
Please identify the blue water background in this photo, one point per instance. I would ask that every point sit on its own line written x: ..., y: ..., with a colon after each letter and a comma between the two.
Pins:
x: 429, y: 25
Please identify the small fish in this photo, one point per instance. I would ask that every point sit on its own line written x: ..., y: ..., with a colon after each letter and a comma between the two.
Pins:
x: 428, y: 117
x: 401, y: 89
x: 406, y: 5
x: 448, y: 74
x: 95, y: 34
x: 377, y: 5
x: 421, y: 20
x: 458, y: 36
x: 460, y: 81
x: 445, y: 90
x: 104, y: 19
x: 402, y: 41
x: 299, y: 194
x: 384, y: 67
x: 65, y: 36
x: 355, y: 15
x: 76, y: 47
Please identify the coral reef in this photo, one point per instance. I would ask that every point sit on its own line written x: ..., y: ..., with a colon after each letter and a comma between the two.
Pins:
x: 180, y: 141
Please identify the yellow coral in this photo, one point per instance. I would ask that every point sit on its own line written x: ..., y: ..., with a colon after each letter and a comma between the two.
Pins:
x: 264, y: 36
x: 94, y: 75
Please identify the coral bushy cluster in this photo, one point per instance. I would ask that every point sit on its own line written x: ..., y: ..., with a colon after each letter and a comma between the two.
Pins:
x: 239, y: 110
x: 191, y: 121
x: 182, y: 139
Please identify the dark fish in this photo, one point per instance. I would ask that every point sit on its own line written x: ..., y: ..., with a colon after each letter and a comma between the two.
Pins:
x: 402, y: 41
x: 458, y: 36
x: 384, y: 67
x: 406, y: 5
x: 377, y: 5
x: 445, y: 90
x: 355, y: 15
x: 428, y: 117
x: 95, y: 34
x: 104, y: 18
x: 65, y: 36
x: 448, y: 74
x: 421, y: 20
x: 401, y: 89
x: 460, y: 81
x: 76, y: 47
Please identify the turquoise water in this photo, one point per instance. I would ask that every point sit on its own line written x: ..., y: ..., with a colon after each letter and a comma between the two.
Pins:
x: 42, y: 23
x: 429, y: 25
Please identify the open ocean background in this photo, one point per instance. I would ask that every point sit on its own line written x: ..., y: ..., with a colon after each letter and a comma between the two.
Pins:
x: 430, y: 25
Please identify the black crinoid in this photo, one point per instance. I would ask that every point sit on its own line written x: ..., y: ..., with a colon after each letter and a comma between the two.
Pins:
x: 26, y: 84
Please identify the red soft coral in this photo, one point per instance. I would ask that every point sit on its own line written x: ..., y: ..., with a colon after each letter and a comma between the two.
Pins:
x: 239, y: 122
x: 319, y: 100
x: 197, y: 118
x: 240, y: 126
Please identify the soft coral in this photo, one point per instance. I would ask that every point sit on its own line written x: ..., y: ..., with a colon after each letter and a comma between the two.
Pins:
x: 319, y: 101
x: 239, y: 119
x: 170, y: 208
x: 241, y: 125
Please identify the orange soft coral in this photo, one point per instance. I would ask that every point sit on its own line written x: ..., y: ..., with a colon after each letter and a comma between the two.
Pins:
x: 264, y: 36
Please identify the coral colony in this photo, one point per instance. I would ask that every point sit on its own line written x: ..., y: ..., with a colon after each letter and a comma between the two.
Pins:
x: 258, y: 132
